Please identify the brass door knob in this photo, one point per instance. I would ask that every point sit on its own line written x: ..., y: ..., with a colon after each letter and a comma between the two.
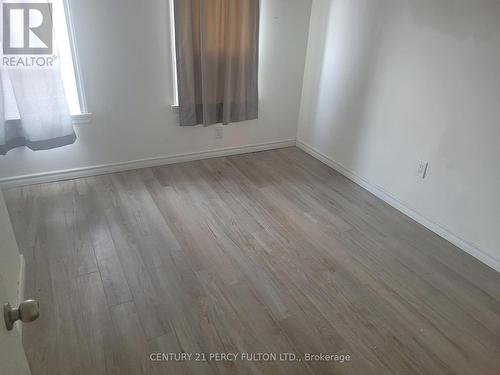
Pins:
x: 27, y: 312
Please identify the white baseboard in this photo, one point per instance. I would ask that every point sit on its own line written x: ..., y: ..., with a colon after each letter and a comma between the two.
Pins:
x: 379, y: 192
x: 70, y: 174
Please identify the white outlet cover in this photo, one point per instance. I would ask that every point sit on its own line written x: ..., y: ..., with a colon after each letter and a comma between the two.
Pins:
x: 422, y: 169
x: 219, y: 132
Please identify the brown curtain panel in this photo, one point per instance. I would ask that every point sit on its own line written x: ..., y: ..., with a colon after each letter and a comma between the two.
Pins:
x: 217, y: 45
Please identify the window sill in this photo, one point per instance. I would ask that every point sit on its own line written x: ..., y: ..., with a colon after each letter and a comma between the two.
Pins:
x: 82, y: 118
x: 175, y: 107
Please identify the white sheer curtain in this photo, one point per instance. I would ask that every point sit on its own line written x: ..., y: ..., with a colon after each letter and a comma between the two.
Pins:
x: 33, y: 107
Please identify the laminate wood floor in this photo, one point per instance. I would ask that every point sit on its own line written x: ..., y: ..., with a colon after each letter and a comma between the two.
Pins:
x: 270, y: 252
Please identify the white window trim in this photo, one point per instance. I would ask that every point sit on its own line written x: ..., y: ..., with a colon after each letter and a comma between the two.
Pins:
x: 84, y: 117
x: 175, y: 87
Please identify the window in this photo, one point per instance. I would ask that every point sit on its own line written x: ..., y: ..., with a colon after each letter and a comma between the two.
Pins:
x: 67, y: 55
x: 218, y: 58
x: 64, y: 35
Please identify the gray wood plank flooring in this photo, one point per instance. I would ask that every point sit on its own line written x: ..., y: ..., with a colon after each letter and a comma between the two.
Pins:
x: 271, y: 252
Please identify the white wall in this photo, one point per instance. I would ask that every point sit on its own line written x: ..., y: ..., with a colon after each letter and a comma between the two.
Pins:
x: 391, y: 82
x: 124, y: 52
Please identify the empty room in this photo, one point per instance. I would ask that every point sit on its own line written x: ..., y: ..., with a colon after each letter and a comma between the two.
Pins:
x: 250, y: 187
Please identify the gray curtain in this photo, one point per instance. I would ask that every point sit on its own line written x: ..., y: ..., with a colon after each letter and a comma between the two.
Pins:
x: 217, y: 45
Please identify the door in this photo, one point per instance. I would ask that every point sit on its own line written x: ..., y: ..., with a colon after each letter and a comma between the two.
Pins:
x: 12, y: 358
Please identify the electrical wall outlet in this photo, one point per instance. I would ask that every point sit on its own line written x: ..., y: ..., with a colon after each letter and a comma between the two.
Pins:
x: 219, y: 131
x: 422, y: 167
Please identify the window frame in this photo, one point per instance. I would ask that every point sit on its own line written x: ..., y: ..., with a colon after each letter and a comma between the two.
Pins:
x: 173, y: 53
x: 84, y: 116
